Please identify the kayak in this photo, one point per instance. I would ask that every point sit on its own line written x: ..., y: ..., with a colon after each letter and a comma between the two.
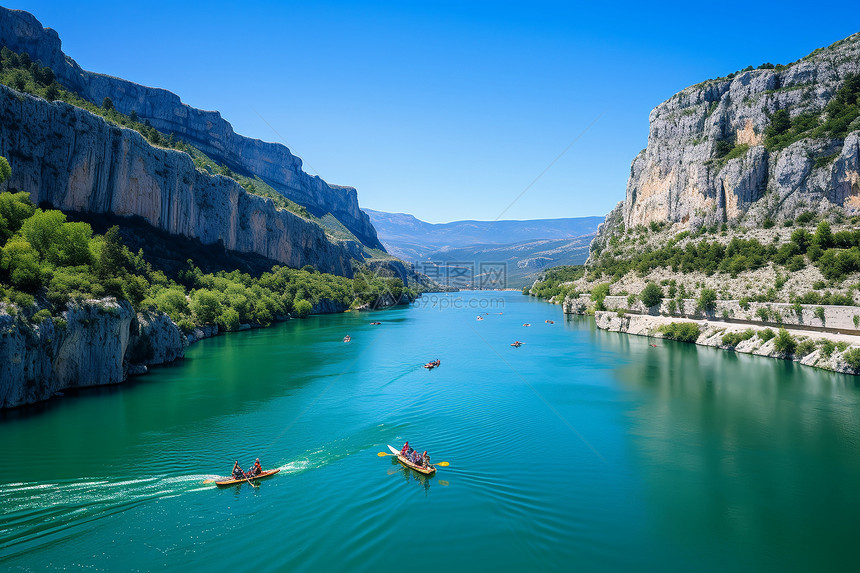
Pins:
x: 402, y: 459
x: 231, y: 481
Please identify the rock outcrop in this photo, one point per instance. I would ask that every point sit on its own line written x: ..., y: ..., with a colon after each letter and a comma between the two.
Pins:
x: 206, y: 130
x: 76, y: 161
x: 708, y: 160
x: 86, y: 347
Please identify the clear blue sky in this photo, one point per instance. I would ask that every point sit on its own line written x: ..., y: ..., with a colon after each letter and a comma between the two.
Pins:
x: 446, y: 110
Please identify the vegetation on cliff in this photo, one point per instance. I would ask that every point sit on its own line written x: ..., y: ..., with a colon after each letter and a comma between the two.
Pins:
x: 44, y: 256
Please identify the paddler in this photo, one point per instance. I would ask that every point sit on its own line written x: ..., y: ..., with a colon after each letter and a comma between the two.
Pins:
x: 405, y: 449
x: 257, y: 469
x: 425, y: 460
x: 237, y: 471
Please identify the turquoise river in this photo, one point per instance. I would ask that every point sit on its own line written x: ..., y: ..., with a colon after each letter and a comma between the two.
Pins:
x: 582, y: 450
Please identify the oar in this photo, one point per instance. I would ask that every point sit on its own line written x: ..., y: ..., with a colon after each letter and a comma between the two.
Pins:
x: 250, y: 482
x: 443, y: 464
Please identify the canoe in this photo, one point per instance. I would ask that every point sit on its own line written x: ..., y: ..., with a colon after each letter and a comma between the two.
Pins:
x: 231, y: 481
x: 402, y: 459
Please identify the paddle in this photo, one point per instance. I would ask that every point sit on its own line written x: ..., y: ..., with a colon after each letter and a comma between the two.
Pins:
x: 443, y: 464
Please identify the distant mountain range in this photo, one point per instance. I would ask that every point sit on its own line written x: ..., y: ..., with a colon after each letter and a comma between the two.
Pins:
x: 522, y: 248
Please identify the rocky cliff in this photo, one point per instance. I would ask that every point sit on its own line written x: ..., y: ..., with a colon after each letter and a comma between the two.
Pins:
x: 76, y: 161
x: 750, y: 147
x: 206, y: 130
x: 89, y: 345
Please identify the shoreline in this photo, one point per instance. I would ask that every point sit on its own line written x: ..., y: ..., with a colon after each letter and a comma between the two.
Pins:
x: 711, y: 334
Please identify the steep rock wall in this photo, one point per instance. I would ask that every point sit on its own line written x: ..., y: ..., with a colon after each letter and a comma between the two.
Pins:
x: 87, y: 350
x: 207, y: 130
x: 76, y: 161
x: 679, y: 177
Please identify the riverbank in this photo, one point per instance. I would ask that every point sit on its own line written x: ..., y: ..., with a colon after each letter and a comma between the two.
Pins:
x: 826, y: 350
x: 98, y: 342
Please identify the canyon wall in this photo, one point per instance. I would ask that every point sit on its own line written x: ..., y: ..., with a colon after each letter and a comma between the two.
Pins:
x: 76, y: 161
x: 206, y: 130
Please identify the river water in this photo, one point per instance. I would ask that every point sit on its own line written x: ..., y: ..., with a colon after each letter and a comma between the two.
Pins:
x: 582, y: 450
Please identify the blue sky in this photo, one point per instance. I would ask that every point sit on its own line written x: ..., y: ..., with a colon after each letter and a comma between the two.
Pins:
x: 446, y: 110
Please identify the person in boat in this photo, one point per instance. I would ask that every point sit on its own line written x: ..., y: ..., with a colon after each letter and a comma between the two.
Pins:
x: 237, y: 471
x: 425, y: 459
x: 256, y: 469
x: 414, y: 457
x: 404, y: 449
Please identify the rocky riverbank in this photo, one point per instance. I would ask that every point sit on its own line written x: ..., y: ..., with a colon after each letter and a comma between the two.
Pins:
x: 94, y: 343
x: 825, y: 350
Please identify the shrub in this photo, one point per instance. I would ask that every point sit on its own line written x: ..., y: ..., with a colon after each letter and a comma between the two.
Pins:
x: 763, y: 313
x: 672, y: 306
x: 41, y: 315
x: 631, y: 300
x: 651, y: 295
x: 681, y: 331
x: 784, y: 342
x: 302, y: 307
x: 805, y: 347
x: 229, y: 320
x: 841, y: 346
x: 735, y: 338
x: 5, y: 170
x: 819, y: 313
x: 766, y: 334
x: 707, y: 299
x: 826, y: 347
x: 852, y: 358
x: 599, y: 294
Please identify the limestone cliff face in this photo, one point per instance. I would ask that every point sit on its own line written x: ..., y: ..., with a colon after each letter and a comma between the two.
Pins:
x: 680, y: 178
x: 207, y: 130
x: 87, y: 350
x: 76, y: 161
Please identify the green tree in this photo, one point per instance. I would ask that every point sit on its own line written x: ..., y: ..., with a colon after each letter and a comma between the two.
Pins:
x: 107, y: 104
x: 52, y: 92
x: 302, y: 307
x: 599, y: 294
x: 205, y: 306
x: 707, y: 299
x: 229, y: 320
x: 19, y: 261
x: 651, y: 295
x: 823, y: 236
x: 5, y: 170
x: 112, y: 261
x: 784, y: 343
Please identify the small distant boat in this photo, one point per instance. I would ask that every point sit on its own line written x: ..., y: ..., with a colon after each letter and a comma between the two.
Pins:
x: 432, y: 364
x: 375, y: 323
x: 347, y: 338
x: 517, y: 344
x: 429, y: 470
x: 526, y: 324
x: 479, y: 317
x: 549, y: 321
x: 230, y: 481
